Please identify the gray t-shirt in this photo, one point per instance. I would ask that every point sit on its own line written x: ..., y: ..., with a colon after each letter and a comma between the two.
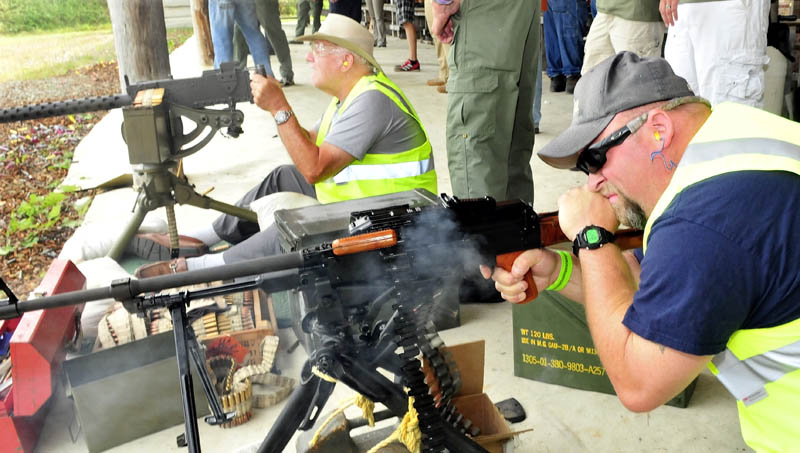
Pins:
x: 373, y: 123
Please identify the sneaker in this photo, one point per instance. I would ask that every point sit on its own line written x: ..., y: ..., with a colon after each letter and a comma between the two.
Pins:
x: 286, y: 82
x: 435, y: 82
x: 155, y: 246
x: 161, y: 268
x: 571, y: 82
x: 558, y: 83
x: 535, y: 130
x: 407, y: 66
x: 379, y: 44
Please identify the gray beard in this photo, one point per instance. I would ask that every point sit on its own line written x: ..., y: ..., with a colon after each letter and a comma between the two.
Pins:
x: 632, y: 214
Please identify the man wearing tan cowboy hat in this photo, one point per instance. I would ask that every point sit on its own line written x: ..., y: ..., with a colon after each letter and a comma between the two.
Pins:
x: 716, y: 283
x: 370, y: 141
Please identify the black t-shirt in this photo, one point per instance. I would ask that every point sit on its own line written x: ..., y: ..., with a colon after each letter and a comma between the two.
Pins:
x: 724, y: 256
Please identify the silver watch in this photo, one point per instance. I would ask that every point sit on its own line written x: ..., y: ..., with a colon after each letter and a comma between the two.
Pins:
x: 282, y: 116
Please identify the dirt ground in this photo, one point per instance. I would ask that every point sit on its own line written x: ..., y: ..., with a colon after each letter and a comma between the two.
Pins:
x: 34, y: 158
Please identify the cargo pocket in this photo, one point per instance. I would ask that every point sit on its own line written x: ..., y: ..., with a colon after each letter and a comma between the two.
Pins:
x: 474, y: 104
x: 741, y: 80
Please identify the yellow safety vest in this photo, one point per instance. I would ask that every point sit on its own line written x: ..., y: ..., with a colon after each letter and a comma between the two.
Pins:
x: 760, y: 367
x: 378, y: 174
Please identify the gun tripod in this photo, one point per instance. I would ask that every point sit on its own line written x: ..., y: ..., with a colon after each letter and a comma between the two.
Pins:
x: 159, y: 187
x: 154, y: 134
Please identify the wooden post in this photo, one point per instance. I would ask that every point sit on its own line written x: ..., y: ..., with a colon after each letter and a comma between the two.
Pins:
x: 140, y: 38
x: 202, y: 31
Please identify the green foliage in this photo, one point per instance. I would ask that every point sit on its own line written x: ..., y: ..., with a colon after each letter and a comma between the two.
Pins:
x: 18, y: 16
x: 33, y: 216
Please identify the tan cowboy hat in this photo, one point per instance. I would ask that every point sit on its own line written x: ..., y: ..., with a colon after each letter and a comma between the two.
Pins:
x: 347, y: 33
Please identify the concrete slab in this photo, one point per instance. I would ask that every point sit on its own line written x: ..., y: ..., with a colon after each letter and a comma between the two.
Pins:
x: 562, y: 419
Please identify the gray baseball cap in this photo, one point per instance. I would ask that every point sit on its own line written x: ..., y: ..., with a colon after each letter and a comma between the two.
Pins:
x: 621, y: 82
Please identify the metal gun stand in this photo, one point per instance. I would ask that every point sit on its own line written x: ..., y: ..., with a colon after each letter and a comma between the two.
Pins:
x: 186, y: 347
x: 153, y: 131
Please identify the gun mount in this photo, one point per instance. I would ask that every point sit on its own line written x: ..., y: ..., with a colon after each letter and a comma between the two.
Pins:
x: 153, y: 130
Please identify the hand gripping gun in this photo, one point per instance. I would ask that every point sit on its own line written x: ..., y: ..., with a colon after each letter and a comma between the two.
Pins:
x: 153, y: 129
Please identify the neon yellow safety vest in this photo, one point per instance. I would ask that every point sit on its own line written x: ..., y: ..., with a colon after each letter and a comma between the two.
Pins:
x: 760, y: 367
x: 378, y: 174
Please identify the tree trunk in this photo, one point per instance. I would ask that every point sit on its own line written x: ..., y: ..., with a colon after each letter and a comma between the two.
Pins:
x: 140, y: 38
x: 202, y: 31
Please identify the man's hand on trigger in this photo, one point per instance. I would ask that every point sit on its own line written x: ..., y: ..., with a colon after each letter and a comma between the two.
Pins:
x: 580, y: 207
x: 442, y: 26
x: 541, y: 262
x: 267, y: 93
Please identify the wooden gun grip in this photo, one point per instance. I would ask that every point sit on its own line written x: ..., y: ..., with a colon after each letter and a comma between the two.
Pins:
x: 506, y: 260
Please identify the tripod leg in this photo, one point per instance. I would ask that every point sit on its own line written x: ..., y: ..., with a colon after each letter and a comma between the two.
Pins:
x: 178, y: 312
x: 185, y: 194
x: 130, y: 230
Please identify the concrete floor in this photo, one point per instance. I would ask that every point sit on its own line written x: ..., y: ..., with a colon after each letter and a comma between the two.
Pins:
x: 561, y: 419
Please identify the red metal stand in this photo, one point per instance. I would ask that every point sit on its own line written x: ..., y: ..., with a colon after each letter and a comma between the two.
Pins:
x: 37, y: 350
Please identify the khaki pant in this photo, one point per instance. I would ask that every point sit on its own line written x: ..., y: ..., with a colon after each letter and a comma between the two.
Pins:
x: 442, y: 49
x: 610, y: 35
x: 490, y: 96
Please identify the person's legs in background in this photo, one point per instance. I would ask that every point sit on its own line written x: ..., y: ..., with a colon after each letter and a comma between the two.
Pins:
x: 269, y: 15
x: 405, y: 15
x: 567, y: 19
x: 303, y: 8
x: 489, y: 122
x: 316, y: 14
x: 442, y: 50
x: 558, y: 82
x: 221, y: 19
x: 375, y: 8
x: 245, y: 17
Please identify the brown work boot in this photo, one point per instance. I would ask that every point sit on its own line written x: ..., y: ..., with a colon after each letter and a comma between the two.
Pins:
x: 442, y: 88
x: 155, y: 246
x: 161, y: 268
x: 435, y: 82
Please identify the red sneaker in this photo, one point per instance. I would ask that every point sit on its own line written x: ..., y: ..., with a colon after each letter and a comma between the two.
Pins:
x: 407, y: 66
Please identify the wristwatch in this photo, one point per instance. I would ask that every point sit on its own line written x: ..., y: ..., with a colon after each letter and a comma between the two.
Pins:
x: 282, y: 116
x: 592, y: 237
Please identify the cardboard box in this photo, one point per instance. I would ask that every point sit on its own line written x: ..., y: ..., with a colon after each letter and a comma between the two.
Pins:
x: 552, y: 344
x: 474, y: 404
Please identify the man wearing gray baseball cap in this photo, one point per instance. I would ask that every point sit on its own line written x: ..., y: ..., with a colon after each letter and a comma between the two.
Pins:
x: 716, y: 282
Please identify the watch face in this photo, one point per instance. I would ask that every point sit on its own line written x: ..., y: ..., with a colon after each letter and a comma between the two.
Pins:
x: 592, y: 236
x: 282, y: 116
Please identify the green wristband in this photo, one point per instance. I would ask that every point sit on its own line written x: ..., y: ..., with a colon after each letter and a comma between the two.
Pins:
x: 564, y: 274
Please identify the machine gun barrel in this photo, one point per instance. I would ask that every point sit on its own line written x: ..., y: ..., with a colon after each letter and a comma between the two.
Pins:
x: 127, y: 289
x: 48, y: 109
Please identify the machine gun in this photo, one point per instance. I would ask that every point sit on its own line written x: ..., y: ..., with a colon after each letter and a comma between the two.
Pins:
x: 364, y: 298
x: 153, y: 130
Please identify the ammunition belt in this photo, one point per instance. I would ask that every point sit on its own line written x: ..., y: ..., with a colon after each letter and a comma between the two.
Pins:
x: 260, y: 374
x: 430, y: 422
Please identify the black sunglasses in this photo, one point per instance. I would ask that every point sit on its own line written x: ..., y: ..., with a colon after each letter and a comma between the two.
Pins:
x: 592, y: 159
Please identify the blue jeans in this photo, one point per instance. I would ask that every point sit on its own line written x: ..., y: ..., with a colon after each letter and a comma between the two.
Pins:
x: 222, y: 15
x: 564, y: 21
x: 537, y: 94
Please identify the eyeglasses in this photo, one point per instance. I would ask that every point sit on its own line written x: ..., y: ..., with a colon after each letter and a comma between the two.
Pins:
x: 318, y: 48
x: 592, y: 159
